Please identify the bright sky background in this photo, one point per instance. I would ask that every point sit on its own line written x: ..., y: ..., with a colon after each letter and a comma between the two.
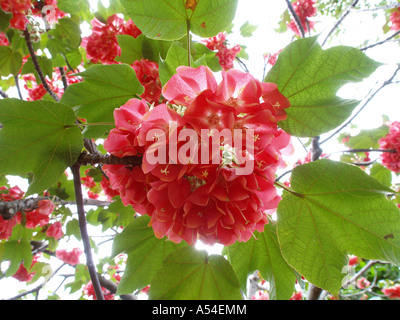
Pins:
x: 266, y: 14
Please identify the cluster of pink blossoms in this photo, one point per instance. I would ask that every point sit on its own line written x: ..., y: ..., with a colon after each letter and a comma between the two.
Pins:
x: 225, y: 55
x: 32, y: 219
x: 304, y: 10
x: 392, y: 292
x: 102, y: 45
x: 395, y: 19
x: 188, y: 199
x: 21, y: 8
x: 391, y: 142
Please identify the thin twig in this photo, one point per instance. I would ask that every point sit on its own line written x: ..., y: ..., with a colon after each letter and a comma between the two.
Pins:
x: 381, y: 42
x: 340, y: 20
x: 63, y: 78
x: 85, y: 159
x: 16, y: 79
x: 392, y: 6
x: 3, y: 94
x: 35, y: 61
x: 84, y: 233
x: 384, y: 84
x: 296, y: 18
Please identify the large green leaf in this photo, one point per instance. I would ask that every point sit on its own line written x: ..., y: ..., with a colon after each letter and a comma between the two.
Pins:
x: 189, y: 274
x: 170, y: 19
x: 145, y: 254
x: 262, y: 253
x: 105, y: 87
x: 310, y: 78
x: 39, y: 137
x: 10, y: 61
x: 336, y: 209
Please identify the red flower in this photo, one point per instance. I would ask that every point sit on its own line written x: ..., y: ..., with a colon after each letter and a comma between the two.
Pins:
x: 391, y: 142
x: 55, y: 230
x: 23, y: 274
x: 392, y: 292
x: 39, y: 216
x: 89, y: 291
x: 199, y: 190
x: 108, y: 190
x: 297, y: 296
x: 395, y: 19
x: 70, y: 257
x: 3, y: 39
x: 354, y: 260
x: 363, y: 283
x: 304, y: 10
x: 147, y: 73
x: 102, y: 45
x: 225, y: 55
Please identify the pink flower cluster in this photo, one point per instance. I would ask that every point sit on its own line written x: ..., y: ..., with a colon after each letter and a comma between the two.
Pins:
x: 188, y: 200
x: 226, y: 56
x: 32, y: 218
x: 395, y: 19
x: 304, y: 10
x: 391, y: 142
x: 392, y: 292
x: 69, y: 256
x: 102, y: 45
x: 147, y: 74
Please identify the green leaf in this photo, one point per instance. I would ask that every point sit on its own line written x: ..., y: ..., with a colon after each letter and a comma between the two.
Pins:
x: 145, y: 254
x: 368, y: 138
x: 131, y: 48
x: 310, y: 78
x: 39, y: 137
x: 176, y: 56
x: 5, y: 18
x: 262, y: 253
x: 247, y: 29
x: 336, y: 209
x: 17, y: 252
x: 170, y: 19
x: 66, y: 37
x: 10, y: 61
x: 189, y: 274
x: 105, y: 87
x: 382, y: 174
x: 44, y: 64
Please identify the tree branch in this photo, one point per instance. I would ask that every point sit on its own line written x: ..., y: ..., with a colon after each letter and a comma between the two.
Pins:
x: 84, y: 233
x: 16, y: 79
x: 10, y: 208
x: 381, y: 42
x: 85, y: 159
x: 112, y: 287
x: 340, y: 21
x: 384, y: 84
x: 3, y: 94
x: 296, y: 18
x: 35, y: 61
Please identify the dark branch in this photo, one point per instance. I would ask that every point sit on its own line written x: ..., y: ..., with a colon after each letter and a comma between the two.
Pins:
x: 344, y: 15
x: 16, y: 79
x: 381, y: 42
x: 35, y: 61
x: 84, y: 233
x: 3, y: 94
x: 384, y: 84
x: 92, y: 159
x: 296, y: 18
x: 112, y: 287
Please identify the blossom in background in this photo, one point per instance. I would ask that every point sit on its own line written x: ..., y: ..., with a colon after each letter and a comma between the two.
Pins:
x: 147, y: 73
x: 102, y: 45
x: 71, y: 257
x: 6, y: 226
x: 55, y: 230
x: 391, y: 141
x: 304, y: 10
x: 392, y: 292
x: 89, y: 291
x: 3, y: 39
x: 23, y: 274
x: 188, y: 199
x: 226, y: 56
x: 395, y: 19
x: 19, y: 9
